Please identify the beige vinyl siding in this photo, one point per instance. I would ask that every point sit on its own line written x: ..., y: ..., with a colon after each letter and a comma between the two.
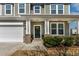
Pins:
x: 66, y: 11
x: 42, y: 10
x: 27, y: 8
x: 47, y: 9
x: 16, y: 9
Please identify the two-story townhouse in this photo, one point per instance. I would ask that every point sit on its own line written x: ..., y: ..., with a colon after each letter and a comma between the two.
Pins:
x: 22, y: 22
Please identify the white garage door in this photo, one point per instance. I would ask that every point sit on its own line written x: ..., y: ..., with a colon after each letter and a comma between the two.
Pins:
x: 11, y: 32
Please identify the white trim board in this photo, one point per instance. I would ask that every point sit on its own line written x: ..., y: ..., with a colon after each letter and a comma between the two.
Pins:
x: 11, y: 23
x: 78, y: 27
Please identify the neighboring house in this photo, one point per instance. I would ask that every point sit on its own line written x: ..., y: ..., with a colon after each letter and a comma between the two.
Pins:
x: 23, y: 22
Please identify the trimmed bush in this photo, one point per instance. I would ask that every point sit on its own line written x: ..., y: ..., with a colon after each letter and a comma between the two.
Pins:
x: 47, y: 41
x: 58, y: 40
x: 77, y: 41
x: 68, y: 41
x: 52, y: 41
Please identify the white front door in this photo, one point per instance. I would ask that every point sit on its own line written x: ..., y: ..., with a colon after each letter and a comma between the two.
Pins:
x: 37, y: 31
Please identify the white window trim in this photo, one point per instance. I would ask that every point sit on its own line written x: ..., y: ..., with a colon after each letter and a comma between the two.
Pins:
x: 24, y: 9
x: 57, y: 28
x: 5, y: 9
x: 50, y: 10
x: 69, y: 9
x: 56, y: 10
x: 29, y: 8
x: 34, y: 10
x: 63, y: 10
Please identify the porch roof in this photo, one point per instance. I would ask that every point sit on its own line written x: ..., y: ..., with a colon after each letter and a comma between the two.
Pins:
x: 54, y: 16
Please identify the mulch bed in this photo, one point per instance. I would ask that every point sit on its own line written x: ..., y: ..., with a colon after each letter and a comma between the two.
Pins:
x: 54, y: 51
x: 30, y: 53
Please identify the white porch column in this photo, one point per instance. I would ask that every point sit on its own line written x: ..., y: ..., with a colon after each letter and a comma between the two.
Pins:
x: 28, y: 27
x: 69, y: 28
x: 46, y: 27
x: 78, y: 27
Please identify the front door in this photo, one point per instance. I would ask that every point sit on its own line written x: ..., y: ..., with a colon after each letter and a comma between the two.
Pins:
x: 37, y: 31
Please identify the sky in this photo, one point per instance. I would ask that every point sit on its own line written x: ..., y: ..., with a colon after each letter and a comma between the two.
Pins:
x: 74, y: 9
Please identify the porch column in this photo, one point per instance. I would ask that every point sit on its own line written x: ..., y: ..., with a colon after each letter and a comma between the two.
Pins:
x: 27, y: 38
x: 78, y: 27
x: 69, y: 28
x: 28, y: 27
x: 46, y: 24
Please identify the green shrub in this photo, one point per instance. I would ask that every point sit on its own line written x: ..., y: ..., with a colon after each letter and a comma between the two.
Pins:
x: 58, y: 40
x: 47, y: 41
x: 52, y: 41
x: 77, y: 41
x: 68, y: 41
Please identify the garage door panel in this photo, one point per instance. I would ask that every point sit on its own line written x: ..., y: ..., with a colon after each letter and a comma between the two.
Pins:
x: 11, y: 33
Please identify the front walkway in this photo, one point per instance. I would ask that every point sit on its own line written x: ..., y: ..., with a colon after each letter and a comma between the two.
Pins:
x: 37, y: 44
x: 9, y: 48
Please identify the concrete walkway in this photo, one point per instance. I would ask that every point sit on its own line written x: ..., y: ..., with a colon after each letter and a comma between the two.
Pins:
x: 9, y: 48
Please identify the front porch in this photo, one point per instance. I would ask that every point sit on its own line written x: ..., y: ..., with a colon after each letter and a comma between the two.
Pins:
x: 39, y: 29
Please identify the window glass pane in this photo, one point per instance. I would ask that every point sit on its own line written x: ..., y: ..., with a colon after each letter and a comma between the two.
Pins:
x: 37, y: 7
x: 8, y: 12
x: 53, y: 11
x: 53, y: 6
x: 60, y: 11
x: 60, y: 26
x: 21, y: 10
x: 53, y: 25
x: 53, y: 31
x: 37, y: 11
x: 8, y: 7
x: 60, y: 7
x: 60, y: 31
x: 21, y: 6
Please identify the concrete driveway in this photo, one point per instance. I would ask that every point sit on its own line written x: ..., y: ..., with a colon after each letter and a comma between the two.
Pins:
x: 9, y: 48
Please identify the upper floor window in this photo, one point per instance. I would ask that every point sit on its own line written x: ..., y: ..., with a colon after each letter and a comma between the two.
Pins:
x: 37, y: 9
x: 53, y: 8
x: 22, y: 8
x: 56, y: 9
x: 60, y: 8
x: 8, y: 9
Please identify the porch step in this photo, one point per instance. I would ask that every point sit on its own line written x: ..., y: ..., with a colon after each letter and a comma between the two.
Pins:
x: 37, y: 41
